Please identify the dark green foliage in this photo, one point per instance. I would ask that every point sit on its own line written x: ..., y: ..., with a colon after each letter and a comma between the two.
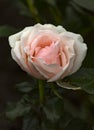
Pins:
x: 84, y: 79
x: 18, y: 109
x: 77, y: 124
x: 89, y: 5
x: 25, y: 87
x: 6, y: 31
x: 53, y: 109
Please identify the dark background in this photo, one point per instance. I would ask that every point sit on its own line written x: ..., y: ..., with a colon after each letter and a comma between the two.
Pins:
x: 10, y: 72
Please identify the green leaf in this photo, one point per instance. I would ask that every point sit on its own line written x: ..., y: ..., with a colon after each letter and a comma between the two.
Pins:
x: 48, y: 125
x: 77, y: 124
x: 53, y: 109
x: 23, y: 9
x: 31, y: 123
x: 7, y: 30
x: 64, y: 120
x: 70, y: 108
x: 87, y: 4
x: 52, y: 2
x: 67, y: 85
x: 83, y: 79
x: 17, y: 110
x: 24, y: 87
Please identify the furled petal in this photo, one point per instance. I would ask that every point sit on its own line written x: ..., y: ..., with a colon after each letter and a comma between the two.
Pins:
x: 44, y: 39
x: 63, y: 72
x: 50, y: 54
x: 16, y: 54
x: 70, y: 53
x: 80, y: 49
x: 47, y: 71
x: 34, y: 72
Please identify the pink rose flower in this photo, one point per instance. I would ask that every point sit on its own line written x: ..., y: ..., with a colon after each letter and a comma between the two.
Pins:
x: 47, y: 51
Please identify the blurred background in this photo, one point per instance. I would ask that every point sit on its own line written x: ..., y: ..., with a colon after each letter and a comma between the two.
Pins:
x: 74, y: 15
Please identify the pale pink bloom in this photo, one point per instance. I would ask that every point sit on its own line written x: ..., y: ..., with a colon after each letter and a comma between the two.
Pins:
x: 47, y: 51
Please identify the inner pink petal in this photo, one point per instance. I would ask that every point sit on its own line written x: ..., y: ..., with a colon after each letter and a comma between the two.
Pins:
x: 50, y: 54
x: 42, y: 40
x: 45, y: 41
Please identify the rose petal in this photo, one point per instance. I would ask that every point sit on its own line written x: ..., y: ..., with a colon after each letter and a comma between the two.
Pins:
x: 42, y: 40
x: 80, y: 50
x: 47, y: 71
x: 64, y: 71
x: 14, y: 38
x: 34, y: 71
x: 50, y: 54
x: 16, y: 54
x: 58, y: 75
x: 70, y: 53
x: 17, y: 37
x: 60, y: 29
x: 55, y: 29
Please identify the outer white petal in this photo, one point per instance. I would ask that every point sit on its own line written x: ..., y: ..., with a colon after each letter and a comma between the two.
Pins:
x: 17, y: 37
x: 45, y: 27
x: 55, y: 29
x: 70, y: 53
x: 60, y: 29
x: 80, y: 49
x: 73, y: 36
x: 80, y: 55
x: 14, y: 38
x: 16, y: 54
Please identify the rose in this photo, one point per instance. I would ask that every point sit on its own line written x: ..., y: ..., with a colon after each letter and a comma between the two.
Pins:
x: 47, y: 51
